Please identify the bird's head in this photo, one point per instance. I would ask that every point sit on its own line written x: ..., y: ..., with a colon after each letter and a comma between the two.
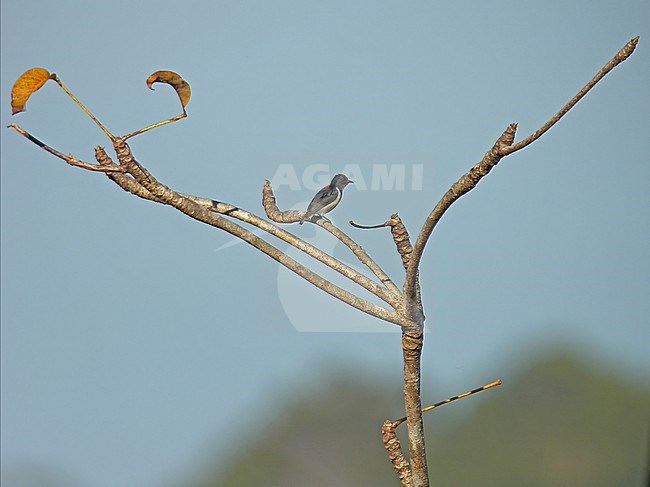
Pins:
x: 340, y: 181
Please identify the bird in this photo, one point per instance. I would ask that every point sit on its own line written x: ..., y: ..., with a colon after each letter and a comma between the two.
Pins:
x: 327, y: 198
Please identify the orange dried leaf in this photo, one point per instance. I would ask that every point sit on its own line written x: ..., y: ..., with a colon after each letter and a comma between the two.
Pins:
x: 28, y: 82
x: 181, y: 86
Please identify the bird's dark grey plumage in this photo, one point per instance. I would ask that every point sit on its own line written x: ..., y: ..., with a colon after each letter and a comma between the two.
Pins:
x: 327, y: 198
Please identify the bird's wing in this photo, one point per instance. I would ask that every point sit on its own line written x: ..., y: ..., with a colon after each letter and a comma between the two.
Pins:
x: 322, y: 198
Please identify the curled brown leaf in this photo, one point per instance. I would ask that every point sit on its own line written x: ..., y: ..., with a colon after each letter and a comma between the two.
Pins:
x: 28, y: 82
x: 181, y: 86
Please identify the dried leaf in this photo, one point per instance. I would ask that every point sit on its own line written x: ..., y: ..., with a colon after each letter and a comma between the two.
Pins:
x: 28, y: 82
x: 181, y: 86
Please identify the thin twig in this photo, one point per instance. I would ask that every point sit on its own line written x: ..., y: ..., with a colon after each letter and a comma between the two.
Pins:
x: 369, y: 227
x: 69, y: 158
x: 154, y: 125
x: 399, y: 233
x: 80, y: 105
x: 497, y: 382
x: 621, y: 56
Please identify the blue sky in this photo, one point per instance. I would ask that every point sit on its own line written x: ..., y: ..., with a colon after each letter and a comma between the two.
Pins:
x: 131, y: 335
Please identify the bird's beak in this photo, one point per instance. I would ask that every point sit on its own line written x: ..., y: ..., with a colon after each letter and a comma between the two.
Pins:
x: 349, y: 181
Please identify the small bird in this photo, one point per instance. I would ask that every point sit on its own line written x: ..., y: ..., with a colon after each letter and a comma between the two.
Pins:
x: 327, y: 198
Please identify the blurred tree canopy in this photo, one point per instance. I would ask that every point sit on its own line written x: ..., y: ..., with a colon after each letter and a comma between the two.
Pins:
x: 562, y: 423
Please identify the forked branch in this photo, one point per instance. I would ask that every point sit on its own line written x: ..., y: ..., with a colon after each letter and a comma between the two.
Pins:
x: 504, y: 146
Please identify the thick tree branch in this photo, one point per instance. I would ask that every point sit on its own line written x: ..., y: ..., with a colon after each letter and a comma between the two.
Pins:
x: 411, y: 352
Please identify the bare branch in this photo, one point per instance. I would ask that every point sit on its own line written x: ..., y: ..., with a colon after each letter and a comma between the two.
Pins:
x: 198, y: 212
x: 411, y: 353
x: 621, y: 56
x: 124, y: 181
x: 399, y: 233
x: 132, y: 186
x: 291, y: 216
x: 503, y: 147
x: 70, y: 159
x: 466, y: 183
x: 361, y: 254
x: 404, y: 248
